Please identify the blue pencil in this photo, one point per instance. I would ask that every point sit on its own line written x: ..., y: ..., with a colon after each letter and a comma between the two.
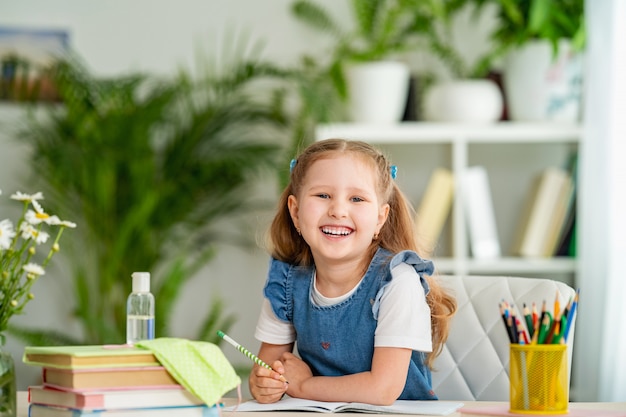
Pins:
x: 570, y: 315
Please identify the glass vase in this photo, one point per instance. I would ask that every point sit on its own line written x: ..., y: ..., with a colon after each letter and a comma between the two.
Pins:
x: 8, y: 393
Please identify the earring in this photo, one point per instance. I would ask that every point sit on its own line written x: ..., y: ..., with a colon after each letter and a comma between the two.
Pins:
x: 298, y: 230
x: 375, y: 236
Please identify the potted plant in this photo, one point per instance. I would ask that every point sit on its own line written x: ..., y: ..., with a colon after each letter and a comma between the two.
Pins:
x: 542, y: 44
x: 465, y: 92
x: 521, y: 28
x: 363, y: 64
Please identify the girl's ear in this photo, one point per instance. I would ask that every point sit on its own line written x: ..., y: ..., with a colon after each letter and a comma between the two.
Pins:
x: 383, y: 215
x: 292, y: 205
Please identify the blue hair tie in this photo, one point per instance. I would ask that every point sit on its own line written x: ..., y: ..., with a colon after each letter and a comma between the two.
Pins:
x: 394, y: 171
x: 292, y: 164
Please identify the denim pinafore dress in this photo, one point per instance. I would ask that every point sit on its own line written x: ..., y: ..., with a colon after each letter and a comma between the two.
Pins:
x: 339, y: 339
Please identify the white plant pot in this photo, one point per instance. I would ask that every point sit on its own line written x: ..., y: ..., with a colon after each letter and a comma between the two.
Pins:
x: 463, y: 101
x: 377, y: 91
x: 541, y: 87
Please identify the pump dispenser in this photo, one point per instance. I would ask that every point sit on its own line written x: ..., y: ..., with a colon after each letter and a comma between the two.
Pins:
x: 140, y: 310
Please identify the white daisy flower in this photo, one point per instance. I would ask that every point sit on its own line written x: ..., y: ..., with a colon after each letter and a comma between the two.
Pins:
x: 20, y: 196
x: 28, y: 231
x: 41, y: 237
x: 6, y: 233
x: 32, y: 268
x: 38, y: 215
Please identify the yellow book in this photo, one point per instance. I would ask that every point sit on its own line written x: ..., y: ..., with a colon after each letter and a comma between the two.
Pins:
x: 542, y: 202
x: 103, y: 378
x: 434, y: 209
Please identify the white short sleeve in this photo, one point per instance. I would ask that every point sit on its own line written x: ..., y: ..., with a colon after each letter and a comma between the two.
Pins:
x: 404, y: 315
x: 270, y: 329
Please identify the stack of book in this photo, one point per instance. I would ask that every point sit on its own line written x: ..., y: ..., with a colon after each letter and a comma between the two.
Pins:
x: 116, y: 380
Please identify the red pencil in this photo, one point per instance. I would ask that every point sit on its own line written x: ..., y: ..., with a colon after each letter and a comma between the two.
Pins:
x: 535, y: 315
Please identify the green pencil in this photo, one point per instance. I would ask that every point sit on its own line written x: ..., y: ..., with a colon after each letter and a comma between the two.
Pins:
x: 246, y: 352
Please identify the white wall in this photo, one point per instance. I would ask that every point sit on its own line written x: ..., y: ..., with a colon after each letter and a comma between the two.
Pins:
x: 158, y: 36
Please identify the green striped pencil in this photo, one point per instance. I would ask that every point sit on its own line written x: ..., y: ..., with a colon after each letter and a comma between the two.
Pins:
x: 246, y: 352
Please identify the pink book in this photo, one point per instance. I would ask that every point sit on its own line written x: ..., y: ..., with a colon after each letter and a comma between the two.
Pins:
x: 172, y: 396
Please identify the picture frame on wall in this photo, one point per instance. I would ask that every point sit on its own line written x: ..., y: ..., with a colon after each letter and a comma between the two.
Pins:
x: 26, y: 57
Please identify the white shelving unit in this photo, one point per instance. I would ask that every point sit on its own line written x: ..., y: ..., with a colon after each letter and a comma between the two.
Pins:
x: 457, y: 141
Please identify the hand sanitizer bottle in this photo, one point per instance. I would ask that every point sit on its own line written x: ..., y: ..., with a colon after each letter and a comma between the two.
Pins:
x: 140, y: 310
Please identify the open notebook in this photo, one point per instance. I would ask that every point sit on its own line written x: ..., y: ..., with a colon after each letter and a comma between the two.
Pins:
x: 440, y: 408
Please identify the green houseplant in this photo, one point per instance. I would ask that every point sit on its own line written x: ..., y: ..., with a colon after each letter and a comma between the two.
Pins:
x: 465, y: 93
x: 381, y: 32
x: 381, y: 29
x: 518, y: 25
x: 521, y: 21
x: 148, y: 168
x: 517, y: 22
x: 540, y: 40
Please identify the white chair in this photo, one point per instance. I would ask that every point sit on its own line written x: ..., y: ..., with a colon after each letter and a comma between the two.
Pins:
x: 474, y: 363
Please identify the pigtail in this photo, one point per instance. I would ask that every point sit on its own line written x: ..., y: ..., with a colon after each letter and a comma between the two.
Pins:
x: 442, y: 308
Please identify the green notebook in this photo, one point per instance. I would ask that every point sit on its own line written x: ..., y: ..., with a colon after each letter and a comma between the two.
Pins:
x: 91, y: 356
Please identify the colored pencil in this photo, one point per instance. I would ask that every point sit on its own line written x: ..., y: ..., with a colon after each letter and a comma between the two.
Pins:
x: 247, y: 353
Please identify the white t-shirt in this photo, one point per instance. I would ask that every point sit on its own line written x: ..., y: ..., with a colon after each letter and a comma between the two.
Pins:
x: 403, y: 318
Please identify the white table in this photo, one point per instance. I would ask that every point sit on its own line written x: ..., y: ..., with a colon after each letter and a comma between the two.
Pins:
x: 617, y: 408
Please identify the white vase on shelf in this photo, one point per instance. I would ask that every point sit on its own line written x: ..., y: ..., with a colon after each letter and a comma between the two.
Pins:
x: 542, y: 87
x: 463, y: 101
x: 377, y: 91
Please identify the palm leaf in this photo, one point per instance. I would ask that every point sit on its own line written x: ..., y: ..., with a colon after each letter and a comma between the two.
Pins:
x: 148, y: 167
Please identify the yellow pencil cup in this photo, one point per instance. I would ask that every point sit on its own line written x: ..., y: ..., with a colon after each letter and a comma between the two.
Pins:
x: 539, y: 379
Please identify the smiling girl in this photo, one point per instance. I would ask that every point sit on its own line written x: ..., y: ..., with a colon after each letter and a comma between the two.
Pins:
x: 346, y: 287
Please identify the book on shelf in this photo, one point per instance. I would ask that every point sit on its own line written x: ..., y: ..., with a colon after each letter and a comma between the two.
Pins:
x: 440, y: 408
x: 563, y: 204
x: 112, y: 399
x: 434, y: 209
x: 568, y: 245
x: 99, y: 378
x: 479, y: 212
x: 93, y: 356
x: 545, y: 204
x: 566, y: 242
x: 37, y: 410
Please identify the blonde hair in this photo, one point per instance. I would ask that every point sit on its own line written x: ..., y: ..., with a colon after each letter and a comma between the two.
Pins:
x: 397, y: 234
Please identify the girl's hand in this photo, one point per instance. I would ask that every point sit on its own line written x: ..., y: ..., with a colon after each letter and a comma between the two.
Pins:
x: 265, y: 385
x: 296, y: 372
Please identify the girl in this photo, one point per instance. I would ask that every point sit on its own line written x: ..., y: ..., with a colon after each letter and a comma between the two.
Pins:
x: 345, y: 284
